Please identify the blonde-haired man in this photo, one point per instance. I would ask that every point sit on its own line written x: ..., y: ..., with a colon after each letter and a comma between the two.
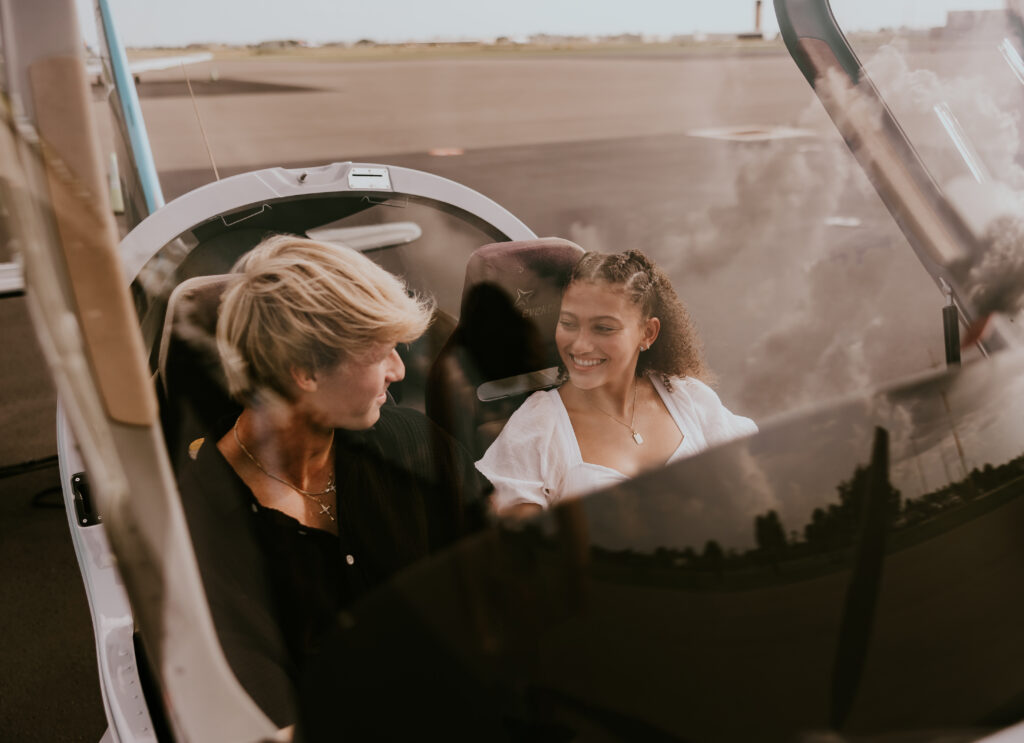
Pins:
x: 319, y: 489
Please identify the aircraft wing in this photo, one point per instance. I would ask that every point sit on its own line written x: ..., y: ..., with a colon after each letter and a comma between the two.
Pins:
x: 94, y: 67
x: 10, y: 274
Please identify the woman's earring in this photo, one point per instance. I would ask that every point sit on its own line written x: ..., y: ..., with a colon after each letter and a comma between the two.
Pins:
x: 644, y: 347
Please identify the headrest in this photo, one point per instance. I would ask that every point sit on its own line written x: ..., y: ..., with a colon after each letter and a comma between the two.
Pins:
x: 510, y: 304
x: 531, y: 272
x: 192, y: 320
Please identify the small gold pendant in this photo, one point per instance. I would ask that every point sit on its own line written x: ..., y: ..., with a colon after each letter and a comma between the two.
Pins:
x: 638, y: 438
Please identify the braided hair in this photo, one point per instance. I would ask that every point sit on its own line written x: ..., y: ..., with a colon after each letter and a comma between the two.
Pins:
x: 677, y: 351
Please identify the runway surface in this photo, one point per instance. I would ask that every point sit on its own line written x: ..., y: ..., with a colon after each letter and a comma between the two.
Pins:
x: 795, y: 274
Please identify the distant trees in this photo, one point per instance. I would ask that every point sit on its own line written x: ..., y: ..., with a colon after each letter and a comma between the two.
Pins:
x: 768, y: 532
x: 770, y: 537
x: 831, y: 529
x: 713, y: 558
x: 837, y: 526
x: 712, y: 552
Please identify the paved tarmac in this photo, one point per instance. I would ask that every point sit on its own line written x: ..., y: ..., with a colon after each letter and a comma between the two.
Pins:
x: 796, y: 276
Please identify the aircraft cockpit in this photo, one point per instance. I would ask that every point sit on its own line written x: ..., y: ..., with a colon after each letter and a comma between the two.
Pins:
x: 850, y: 572
x: 844, y: 592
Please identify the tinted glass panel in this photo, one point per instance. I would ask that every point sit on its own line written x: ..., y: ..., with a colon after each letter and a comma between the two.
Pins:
x: 855, y: 570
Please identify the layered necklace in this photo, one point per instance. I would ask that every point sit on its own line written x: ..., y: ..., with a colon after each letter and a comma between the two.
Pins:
x: 315, y: 496
x: 637, y: 438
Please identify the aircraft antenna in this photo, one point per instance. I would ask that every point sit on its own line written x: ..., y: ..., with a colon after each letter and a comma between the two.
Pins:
x: 202, y: 129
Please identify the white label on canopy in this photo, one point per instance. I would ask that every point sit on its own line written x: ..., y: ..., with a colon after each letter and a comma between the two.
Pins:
x: 361, y: 179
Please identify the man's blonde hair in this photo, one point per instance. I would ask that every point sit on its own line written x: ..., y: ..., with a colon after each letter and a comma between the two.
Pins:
x: 299, y: 303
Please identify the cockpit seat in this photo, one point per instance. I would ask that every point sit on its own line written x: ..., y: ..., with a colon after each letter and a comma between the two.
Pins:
x: 503, y: 347
x: 190, y: 383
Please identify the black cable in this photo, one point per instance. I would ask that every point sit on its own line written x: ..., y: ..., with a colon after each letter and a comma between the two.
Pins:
x: 21, y: 468
x: 40, y: 499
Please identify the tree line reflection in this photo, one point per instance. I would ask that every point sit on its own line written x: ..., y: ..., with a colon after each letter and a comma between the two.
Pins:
x: 824, y: 544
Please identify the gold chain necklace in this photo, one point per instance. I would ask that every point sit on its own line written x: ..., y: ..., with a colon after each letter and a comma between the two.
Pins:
x: 637, y: 438
x: 325, y: 508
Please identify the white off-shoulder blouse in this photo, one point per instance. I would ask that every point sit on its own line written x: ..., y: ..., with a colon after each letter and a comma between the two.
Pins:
x: 536, y: 458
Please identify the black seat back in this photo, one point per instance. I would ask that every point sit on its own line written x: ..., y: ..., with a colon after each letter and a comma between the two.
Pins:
x: 503, y: 347
x: 191, y: 384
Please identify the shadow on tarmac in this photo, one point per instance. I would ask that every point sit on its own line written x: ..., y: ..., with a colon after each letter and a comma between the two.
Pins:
x: 49, y: 688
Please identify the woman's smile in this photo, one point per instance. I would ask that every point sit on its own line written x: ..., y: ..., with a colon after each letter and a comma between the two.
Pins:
x: 585, y: 363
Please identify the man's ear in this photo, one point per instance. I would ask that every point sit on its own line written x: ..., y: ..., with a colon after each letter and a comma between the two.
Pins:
x: 304, y: 379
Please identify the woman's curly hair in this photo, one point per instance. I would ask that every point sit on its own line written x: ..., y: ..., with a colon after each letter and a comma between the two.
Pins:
x: 677, y: 351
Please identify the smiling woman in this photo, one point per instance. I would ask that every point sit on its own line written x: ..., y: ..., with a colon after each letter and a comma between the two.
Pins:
x: 631, y: 357
x: 320, y: 489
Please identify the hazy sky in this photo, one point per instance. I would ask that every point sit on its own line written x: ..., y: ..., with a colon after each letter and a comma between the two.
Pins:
x: 179, y: 22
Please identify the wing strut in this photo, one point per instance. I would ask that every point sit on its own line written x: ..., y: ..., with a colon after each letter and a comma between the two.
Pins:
x: 141, y: 188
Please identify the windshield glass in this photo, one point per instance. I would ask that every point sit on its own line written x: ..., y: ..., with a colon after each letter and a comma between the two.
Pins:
x: 798, y: 281
x: 952, y: 74
x: 331, y: 490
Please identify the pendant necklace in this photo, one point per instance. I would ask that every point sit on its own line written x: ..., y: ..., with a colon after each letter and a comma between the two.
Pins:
x: 637, y: 438
x: 325, y: 508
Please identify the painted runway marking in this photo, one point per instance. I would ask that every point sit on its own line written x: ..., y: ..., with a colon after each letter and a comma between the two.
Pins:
x: 842, y: 222
x: 751, y: 133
